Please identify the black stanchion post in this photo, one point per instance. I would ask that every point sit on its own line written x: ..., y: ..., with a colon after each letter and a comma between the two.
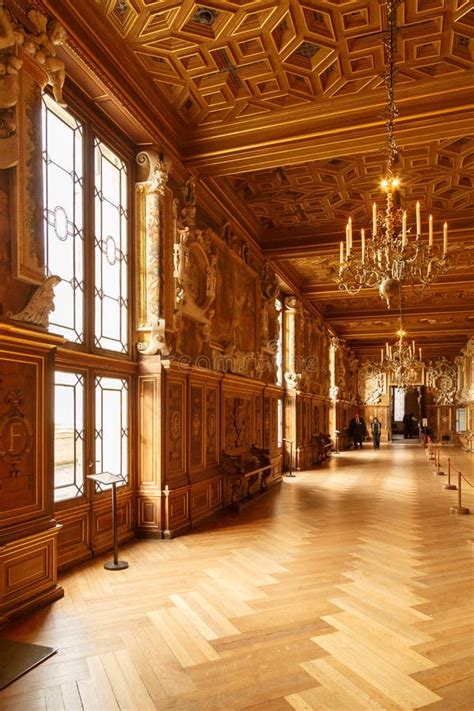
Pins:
x: 290, y: 467
x: 107, y: 479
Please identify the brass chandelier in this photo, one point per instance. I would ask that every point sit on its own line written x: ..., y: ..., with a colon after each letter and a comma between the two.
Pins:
x: 401, y: 359
x: 392, y: 256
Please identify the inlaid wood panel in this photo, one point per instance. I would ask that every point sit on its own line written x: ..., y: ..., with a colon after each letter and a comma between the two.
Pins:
x: 74, y: 536
x: 175, y: 427
x: 28, y: 531
x: 196, y: 430
x: 21, y: 435
x: 212, y: 425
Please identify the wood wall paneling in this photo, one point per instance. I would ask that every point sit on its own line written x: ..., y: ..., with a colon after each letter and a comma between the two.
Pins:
x: 28, y: 530
x: 150, y: 449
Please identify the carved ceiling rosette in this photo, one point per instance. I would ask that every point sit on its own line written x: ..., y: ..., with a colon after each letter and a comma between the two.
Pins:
x: 442, y: 379
x: 195, y: 278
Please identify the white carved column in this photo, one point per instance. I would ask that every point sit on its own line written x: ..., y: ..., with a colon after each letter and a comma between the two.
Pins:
x: 334, y: 345
x: 150, y: 196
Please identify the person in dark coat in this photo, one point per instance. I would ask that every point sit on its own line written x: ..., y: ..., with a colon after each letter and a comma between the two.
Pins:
x: 357, y: 430
x: 376, y: 429
x: 407, y: 426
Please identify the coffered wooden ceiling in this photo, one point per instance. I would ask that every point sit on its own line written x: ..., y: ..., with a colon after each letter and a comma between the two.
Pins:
x: 221, y: 60
x: 277, y: 107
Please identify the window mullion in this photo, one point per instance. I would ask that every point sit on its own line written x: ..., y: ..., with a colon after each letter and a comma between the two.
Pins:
x: 89, y: 225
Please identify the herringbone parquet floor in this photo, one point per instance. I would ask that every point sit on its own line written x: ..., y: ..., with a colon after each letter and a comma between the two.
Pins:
x: 349, y: 588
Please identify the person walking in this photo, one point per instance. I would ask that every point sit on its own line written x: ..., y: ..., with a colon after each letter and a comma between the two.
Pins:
x: 376, y: 428
x: 357, y: 430
x: 406, y: 425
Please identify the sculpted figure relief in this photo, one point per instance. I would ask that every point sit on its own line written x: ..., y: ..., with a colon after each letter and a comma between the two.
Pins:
x: 10, y: 64
x: 50, y: 35
x: 40, y: 305
x: 41, y: 46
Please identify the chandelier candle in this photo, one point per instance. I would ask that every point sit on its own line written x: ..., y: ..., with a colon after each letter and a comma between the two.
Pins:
x: 430, y: 231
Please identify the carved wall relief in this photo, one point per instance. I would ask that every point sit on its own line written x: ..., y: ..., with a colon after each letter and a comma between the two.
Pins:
x: 28, y: 62
x: 270, y: 289
x: 188, y: 211
x: 258, y: 425
x: 441, y: 378
x: 237, y: 424
x: 195, y: 279
x: 28, y: 245
x: 371, y: 383
x: 235, y: 243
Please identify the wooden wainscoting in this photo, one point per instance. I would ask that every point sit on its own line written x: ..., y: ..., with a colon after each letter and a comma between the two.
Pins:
x: 196, y: 414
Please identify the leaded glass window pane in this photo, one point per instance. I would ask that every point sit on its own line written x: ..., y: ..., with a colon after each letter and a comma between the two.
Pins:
x: 68, y: 435
x: 111, y: 253
x: 63, y: 183
x: 399, y: 404
x: 111, y: 427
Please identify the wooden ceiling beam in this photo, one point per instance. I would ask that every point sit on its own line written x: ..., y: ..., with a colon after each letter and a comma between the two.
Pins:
x: 330, y: 132
x: 295, y: 243
x: 408, y: 312
x: 330, y: 290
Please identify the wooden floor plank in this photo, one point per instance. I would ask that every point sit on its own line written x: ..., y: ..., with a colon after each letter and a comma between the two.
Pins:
x: 349, y: 588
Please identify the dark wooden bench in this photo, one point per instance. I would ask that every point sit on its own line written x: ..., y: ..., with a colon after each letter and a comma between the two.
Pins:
x: 322, y: 447
x: 246, y: 475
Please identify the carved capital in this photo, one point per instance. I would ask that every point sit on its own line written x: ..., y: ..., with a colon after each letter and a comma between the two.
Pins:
x: 335, y: 343
x: 155, y: 339
x: 157, y: 170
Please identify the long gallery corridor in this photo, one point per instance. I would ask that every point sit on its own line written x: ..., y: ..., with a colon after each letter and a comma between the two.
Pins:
x: 350, y: 587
